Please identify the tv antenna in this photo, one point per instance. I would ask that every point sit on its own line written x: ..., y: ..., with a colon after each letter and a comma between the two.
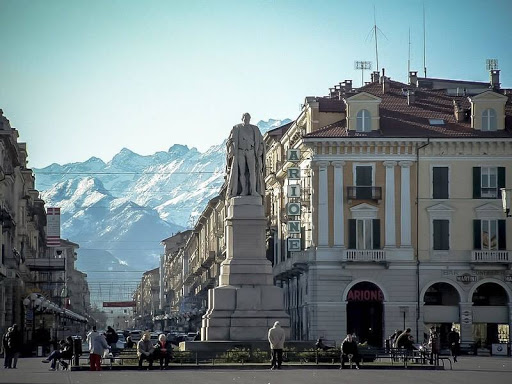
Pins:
x: 373, y: 34
x: 491, y: 64
x: 424, y: 44
x: 362, y: 65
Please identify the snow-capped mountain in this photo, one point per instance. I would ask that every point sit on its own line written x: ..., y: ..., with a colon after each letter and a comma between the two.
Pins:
x: 127, y: 206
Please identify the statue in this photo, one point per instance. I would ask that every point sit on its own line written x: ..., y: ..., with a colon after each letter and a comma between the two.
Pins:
x: 4, y: 122
x: 245, y: 160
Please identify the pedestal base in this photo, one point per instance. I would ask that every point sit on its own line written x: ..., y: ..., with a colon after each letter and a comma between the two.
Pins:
x: 243, y: 313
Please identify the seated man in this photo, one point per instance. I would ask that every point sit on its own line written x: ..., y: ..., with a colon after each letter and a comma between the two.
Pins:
x: 145, y: 350
x: 65, y: 351
x: 163, y: 351
x: 349, y: 352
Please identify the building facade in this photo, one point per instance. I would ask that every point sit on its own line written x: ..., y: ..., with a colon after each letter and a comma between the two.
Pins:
x: 384, y: 210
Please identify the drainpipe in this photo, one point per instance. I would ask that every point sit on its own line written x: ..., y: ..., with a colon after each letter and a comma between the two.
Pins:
x: 417, y: 238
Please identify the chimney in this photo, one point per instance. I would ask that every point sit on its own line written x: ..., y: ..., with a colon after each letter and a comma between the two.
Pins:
x: 384, y: 81
x: 411, y: 97
x: 495, y: 78
x: 458, y: 111
x: 348, y: 85
x: 413, y: 78
x: 375, y: 76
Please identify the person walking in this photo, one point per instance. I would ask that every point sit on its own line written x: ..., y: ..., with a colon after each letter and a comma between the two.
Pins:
x: 276, y: 338
x: 7, y: 349
x: 163, y: 351
x: 145, y: 350
x: 349, y: 352
x: 454, y: 340
x: 97, y: 346
x: 112, y: 338
x: 434, y: 342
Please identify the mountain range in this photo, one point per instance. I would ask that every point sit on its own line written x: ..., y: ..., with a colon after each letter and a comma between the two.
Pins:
x: 119, y: 212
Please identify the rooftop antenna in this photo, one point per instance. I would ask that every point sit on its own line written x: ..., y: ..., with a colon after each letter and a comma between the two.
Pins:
x: 409, y: 55
x: 362, y: 65
x: 491, y: 64
x: 424, y: 44
x: 373, y: 33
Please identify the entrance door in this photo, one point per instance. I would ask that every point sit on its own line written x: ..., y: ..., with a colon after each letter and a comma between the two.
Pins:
x: 365, y: 313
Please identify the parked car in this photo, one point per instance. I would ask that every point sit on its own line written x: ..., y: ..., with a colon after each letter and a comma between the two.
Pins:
x: 191, y: 336
x: 136, y: 334
x: 120, y: 341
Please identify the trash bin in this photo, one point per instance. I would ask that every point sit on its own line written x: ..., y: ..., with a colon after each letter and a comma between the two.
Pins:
x: 77, y: 350
x: 499, y: 349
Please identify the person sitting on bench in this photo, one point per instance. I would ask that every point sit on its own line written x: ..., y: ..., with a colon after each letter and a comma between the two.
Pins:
x: 145, y: 350
x: 65, y: 351
x: 349, y: 352
x: 163, y: 351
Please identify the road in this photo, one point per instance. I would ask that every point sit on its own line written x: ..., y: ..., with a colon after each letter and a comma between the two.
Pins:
x: 469, y: 370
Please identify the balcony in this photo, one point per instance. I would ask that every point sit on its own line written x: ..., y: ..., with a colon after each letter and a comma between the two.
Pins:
x: 365, y: 255
x: 209, y: 260
x: 489, y: 193
x: 364, y: 193
x: 46, y: 264
x: 490, y: 257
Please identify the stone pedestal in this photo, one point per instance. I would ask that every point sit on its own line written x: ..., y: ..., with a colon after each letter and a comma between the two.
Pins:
x: 246, y: 303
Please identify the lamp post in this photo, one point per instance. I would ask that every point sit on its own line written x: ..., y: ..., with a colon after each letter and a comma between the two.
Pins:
x: 506, y: 195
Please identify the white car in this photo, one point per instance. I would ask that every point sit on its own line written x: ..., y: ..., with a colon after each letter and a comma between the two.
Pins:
x: 120, y: 341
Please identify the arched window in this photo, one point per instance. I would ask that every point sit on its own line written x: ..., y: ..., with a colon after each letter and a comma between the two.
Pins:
x: 489, y: 120
x: 364, y: 121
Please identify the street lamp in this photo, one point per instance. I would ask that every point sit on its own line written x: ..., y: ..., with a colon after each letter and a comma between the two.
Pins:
x: 506, y: 195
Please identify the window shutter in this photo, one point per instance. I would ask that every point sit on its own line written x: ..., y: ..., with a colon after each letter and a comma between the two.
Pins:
x: 477, y: 234
x: 502, y: 235
x: 501, y: 180
x: 437, y: 236
x: 477, y: 183
x: 376, y: 233
x: 445, y: 234
x: 352, y: 233
x: 440, y: 181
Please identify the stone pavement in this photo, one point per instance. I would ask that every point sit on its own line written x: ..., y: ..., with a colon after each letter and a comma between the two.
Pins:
x: 469, y: 370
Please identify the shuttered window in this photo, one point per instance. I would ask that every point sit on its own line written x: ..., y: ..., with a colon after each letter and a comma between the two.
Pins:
x: 441, y: 235
x: 489, y: 235
x: 487, y: 182
x: 364, y: 234
x: 440, y: 183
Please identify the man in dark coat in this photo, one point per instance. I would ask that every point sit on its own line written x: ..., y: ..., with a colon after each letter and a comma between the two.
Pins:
x: 349, y: 352
x: 15, y: 343
x: 454, y: 340
x: 7, y: 349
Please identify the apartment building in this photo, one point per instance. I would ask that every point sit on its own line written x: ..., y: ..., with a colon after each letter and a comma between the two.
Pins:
x: 384, y: 210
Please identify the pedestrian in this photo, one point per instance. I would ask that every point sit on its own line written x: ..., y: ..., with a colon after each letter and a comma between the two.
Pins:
x: 276, y: 339
x: 145, y: 350
x: 405, y: 341
x: 112, y: 338
x: 349, y: 352
x: 454, y: 340
x: 129, y: 342
x: 7, y: 349
x: 434, y: 343
x: 163, y: 351
x: 97, y: 347
x: 64, y: 351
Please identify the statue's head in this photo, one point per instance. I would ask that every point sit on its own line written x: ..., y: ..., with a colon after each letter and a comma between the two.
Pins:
x: 246, y: 118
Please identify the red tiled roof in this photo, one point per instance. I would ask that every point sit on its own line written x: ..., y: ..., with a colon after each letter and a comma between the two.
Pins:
x: 398, y: 119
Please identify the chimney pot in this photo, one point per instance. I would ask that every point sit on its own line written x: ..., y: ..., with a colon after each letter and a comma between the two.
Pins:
x: 413, y: 78
x: 411, y: 97
x: 495, y: 78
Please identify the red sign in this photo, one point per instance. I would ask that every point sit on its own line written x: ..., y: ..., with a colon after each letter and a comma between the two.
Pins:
x: 365, y: 295
x: 119, y: 304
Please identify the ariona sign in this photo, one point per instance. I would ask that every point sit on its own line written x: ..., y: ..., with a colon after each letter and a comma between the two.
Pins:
x: 365, y: 295
x: 119, y: 304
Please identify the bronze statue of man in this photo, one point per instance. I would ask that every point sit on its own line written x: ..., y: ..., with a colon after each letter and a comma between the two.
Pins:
x: 245, y: 160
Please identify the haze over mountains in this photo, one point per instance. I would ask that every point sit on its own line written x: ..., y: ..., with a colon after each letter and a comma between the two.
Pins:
x: 119, y: 211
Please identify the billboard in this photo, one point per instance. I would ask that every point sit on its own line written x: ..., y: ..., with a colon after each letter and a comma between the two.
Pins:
x: 53, y: 227
x: 118, y: 304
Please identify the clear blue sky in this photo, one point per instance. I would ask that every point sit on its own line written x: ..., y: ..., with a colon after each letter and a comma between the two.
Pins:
x: 87, y: 78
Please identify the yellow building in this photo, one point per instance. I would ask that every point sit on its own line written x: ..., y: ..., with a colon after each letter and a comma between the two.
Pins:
x: 384, y: 210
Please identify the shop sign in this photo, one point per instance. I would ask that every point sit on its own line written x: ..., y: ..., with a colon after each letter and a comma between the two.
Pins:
x: 508, y: 278
x: 293, y: 207
x: 365, y: 295
x: 466, y: 278
x: 466, y: 317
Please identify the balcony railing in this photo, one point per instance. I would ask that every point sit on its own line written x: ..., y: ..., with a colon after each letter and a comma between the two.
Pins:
x: 491, y: 257
x: 489, y: 193
x: 45, y: 264
x: 365, y: 255
x: 364, y: 193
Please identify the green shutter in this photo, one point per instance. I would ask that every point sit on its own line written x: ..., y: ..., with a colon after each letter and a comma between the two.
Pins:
x: 376, y: 233
x: 352, y: 233
x: 501, y: 180
x: 502, y: 235
x: 477, y: 183
x: 477, y: 234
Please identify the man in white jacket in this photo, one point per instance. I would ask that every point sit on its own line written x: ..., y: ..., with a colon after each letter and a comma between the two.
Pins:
x: 276, y: 338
